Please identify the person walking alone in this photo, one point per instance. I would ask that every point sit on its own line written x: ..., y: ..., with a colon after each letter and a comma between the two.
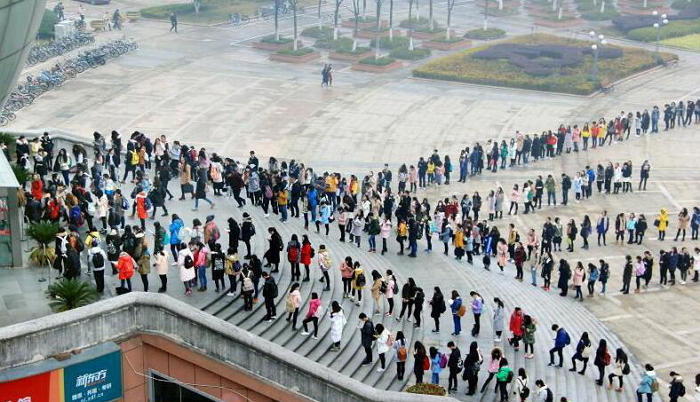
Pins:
x: 173, y: 22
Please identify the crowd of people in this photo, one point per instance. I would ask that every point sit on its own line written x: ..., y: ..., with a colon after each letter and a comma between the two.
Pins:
x: 85, y: 192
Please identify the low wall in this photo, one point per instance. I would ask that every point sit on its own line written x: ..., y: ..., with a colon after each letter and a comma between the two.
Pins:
x: 125, y: 316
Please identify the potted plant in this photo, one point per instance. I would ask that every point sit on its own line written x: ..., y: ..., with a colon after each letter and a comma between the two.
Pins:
x: 70, y: 294
x: 43, y: 233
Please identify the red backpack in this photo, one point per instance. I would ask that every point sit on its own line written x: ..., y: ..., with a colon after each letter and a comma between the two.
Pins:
x: 293, y: 254
x: 426, y: 363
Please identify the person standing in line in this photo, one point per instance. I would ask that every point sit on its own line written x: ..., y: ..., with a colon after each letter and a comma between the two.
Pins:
x: 367, y: 337
x: 408, y: 294
x: 436, y: 365
x: 269, y: 292
x: 312, y: 315
x: 384, y: 342
x: 621, y: 369
x: 420, y: 359
x: 583, y: 352
x: 472, y: 365
x: 418, y: 307
x: 529, y: 329
x: 98, y: 258
x: 456, y: 306
x: 503, y: 377
x: 627, y: 275
x: 438, y: 307
x: 677, y: 389
x: 521, y: 389
x: 648, y: 385
x: 401, y: 355
x: 455, y: 365
x: 560, y: 341
x: 173, y: 22
x: 337, y: 318
x: 516, y: 328
x: 293, y: 303
x: 498, y: 319
x: 494, y: 365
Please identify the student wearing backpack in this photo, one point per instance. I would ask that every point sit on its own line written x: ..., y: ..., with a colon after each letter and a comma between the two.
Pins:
x: 185, y: 262
x: 379, y: 286
x: 293, y: 303
x: 521, y: 389
x: 141, y: 207
x: 294, y: 257
x: 401, y: 354
x: 421, y: 361
x: 494, y: 365
x: 217, y: 260
x: 232, y: 269
x: 544, y: 394
x: 458, y: 311
x: 583, y: 353
x: 307, y: 253
x: 677, y: 389
x: 455, y: 365
x: 367, y: 337
x: 560, y: 341
x: 384, y: 342
x: 503, y: 377
x: 621, y: 369
x: 125, y: 266
x: 359, y: 282
x: 602, y: 359
x: 648, y: 385
x: 247, y: 287
x: 98, y: 259
x: 472, y: 365
x: 312, y: 315
x: 391, y: 289
x: 437, y: 307
x: 269, y: 293
x: 436, y: 365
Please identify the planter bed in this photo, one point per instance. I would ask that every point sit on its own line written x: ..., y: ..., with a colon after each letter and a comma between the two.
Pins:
x: 447, y: 45
x: 349, y: 56
x: 428, y: 35
x: 362, y: 25
x: 371, y: 68
x: 558, y: 24
x: 295, y: 59
x: 362, y: 34
x: 275, y: 47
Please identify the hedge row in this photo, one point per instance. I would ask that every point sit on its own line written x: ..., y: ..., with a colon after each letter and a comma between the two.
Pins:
x: 485, y: 34
x: 674, y: 29
x: 405, y: 54
x: 163, y: 12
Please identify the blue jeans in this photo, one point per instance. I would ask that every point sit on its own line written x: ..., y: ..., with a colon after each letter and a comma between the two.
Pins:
x: 435, y: 379
x: 372, y: 242
x: 458, y: 323
x: 602, y: 290
x: 654, y: 126
x: 313, y: 213
x: 202, y: 275
x: 534, y: 276
x: 283, y: 212
x: 196, y: 202
x: 414, y: 247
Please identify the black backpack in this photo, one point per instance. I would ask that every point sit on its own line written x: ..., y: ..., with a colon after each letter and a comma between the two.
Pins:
x: 360, y: 280
x: 550, y: 396
x: 509, y: 378
x: 98, y: 261
x: 189, y: 262
x: 274, y: 290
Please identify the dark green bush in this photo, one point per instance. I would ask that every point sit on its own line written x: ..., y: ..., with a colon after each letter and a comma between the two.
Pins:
x: 681, y: 4
x: 327, y: 43
x: 163, y: 12
x: 488, y: 34
x: 674, y: 29
x: 382, y: 61
x: 405, y: 54
x: 386, y: 43
x: 281, y: 41
x: 319, y: 33
x: 46, y: 28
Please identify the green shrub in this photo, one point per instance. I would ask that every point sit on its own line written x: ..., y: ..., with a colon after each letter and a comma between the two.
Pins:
x: 453, y: 39
x: 674, y: 29
x: 23, y: 175
x: 163, y: 12
x: 681, y: 4
x: 299, y: 52
x: 281, y: 41
x: 9, y: 140
x: 386, y: 43
x: 405, y: 54
x: 46, y: 28
x: 71, y: 293
x: 348, y: 49
x: 382, y: 61
x: 328, y: 43
x: 426, y: 389
x: 485, y: 34
x: 591, y: 12
x: 42, y: 232
x: 319, y: 33
x: 416, y: 22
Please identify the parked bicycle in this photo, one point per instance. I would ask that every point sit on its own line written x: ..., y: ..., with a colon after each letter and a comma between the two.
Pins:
x: 238, y: 19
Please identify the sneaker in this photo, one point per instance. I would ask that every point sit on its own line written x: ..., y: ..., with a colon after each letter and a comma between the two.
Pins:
x: 314, y: 337
x: 408, y: 319
x: 274, y: 317
x: 305, y: 333
x: 380, y: 370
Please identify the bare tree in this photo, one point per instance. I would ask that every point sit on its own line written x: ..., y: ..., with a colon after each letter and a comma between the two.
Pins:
x: 320, y: 20
x: 336, y: 15
x: 294, y: 4
x: 277, y: 19
x: 410, y: 24
x: 486, y: 14
x: 197, y: 4
x: 391, y: 20
x: 450, y: 6
x: 430, y: 15
x: 379, y: 26
x: 356, y: 11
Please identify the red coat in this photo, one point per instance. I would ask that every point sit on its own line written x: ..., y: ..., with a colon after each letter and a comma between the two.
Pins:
x: 306, y: 254
x: 516, y: 324
x: 37, y: 189
x: 125, y: 266
x: 141, y: 207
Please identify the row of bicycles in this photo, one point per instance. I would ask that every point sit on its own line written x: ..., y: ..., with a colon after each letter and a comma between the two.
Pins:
x: 39, y: 54
x: 35, y: 85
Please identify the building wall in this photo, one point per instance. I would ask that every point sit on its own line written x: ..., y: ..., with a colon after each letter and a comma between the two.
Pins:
x: 148, y: 352
x: 19, y: 21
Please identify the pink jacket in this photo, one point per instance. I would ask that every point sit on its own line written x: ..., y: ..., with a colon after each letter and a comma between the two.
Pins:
x: 314, y: 305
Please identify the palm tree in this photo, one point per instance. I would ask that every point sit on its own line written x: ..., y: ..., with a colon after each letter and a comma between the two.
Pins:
x: 42, y: 232
x: 72, y: 293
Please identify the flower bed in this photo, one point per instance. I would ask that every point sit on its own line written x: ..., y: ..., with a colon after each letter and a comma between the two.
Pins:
x: 318, y: 33
x: 485, y: 34
x: 372, y: 33
x: 380, y: 65
x: 363, y: 23
x: 691, y: 42
x: 426, y: 389
x: 405, y: 54
x: 333, y: 43
x: 550, y: 69
x: 344, y: 52
x: 302, y: 55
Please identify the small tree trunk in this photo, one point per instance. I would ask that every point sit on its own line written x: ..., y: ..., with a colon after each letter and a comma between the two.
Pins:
x: 645, y: 3
x: 295, y: 27
x: 500, y: 5
x: 602, y: 6
x: 561, y: 12
x: 430, y: 15
x: 391, y: 20
x: 379, y: 25
x: 277, y: 20
x: 410, y: 26
x: 554, y: 5
x: 450, y: 4
x: 354, y: 36
x: 335, y: 20
x: 320, y: 21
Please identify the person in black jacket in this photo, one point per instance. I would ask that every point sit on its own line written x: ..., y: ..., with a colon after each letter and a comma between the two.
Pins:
x: 418, y: 307
x: 272, y: 255
x: 472, y: 364
x: 367, y: 333
x: 454, y: 363
x: 408, y: 294
x: 234, y: 233
x: 438, y: 307
x: 565, y: 186
x: 269, y: 293
x: 247, y: 232
x: 640, y: 228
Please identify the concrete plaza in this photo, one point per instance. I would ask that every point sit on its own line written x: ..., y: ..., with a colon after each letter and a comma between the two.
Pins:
x: 208, y: 87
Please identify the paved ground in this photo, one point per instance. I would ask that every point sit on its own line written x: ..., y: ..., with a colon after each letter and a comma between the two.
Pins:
x: 208, y: 87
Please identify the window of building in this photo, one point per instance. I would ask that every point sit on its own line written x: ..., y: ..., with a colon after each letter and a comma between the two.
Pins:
x: 166, y: 389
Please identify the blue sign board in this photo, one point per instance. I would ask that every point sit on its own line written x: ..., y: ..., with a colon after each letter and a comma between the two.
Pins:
x: 96, y: 380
